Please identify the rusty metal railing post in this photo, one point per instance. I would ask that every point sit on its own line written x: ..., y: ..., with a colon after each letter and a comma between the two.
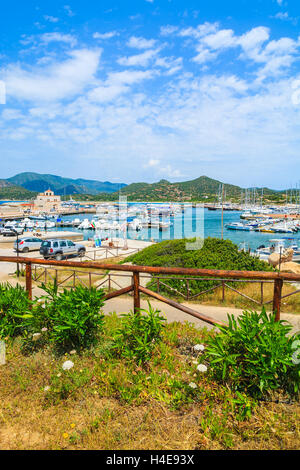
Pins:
x: 29, y: 280
x: 223, y: 291
x: 136, y: 293
x: 278, y: 283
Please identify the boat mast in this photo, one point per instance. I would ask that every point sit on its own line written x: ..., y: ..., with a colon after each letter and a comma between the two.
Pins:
x: 222, y: 208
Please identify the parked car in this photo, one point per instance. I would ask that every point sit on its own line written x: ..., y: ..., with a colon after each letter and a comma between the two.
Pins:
x: 59, y: 248
x: 9, y: 232
x: 28, y: 244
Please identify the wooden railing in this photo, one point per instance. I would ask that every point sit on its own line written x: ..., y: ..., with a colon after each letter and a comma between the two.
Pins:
x: 108, y: 252
x: 137, y: 289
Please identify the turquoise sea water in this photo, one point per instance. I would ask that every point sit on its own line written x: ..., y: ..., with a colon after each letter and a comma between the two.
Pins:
x: 190, y: 225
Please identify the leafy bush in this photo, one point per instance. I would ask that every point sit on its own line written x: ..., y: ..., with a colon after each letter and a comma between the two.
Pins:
x: 253, y: 354
x: 14, y: 305
x: 215, y: 254
x: 65, y: 385
x: 138, y: 334
x: 72, y: 318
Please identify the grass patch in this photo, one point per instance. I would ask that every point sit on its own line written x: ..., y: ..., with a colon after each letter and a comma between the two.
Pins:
x: 106, y: 401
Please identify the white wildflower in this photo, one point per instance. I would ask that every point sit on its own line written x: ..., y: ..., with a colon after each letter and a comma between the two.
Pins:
x: 67, y: 365
x: 199, y: 347
x: 46, y: 389
x: 192, y: 385
x: 202, y: 368
x: 73, y: 351
x: 36, y: 336
x: 44, y: 330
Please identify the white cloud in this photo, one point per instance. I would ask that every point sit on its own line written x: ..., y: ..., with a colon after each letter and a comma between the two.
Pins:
x: 68, y: 10
x: 47, y: 38
x: 201, y: 31
x: 108, y: 35
x: 56, y: 81
x: 141, y: 43
x: 168, y: 30
x: 193, y: 120
x: 51, y: 19
x: 139, y: 60
x: 151, y: 163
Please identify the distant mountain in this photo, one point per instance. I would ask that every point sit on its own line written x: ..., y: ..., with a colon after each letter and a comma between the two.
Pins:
x: 197, y: 189
x: 200, y: 189
x: 11, y: 191
x: 188, y: 190
x: 63, y: 186
x: 26, y: 185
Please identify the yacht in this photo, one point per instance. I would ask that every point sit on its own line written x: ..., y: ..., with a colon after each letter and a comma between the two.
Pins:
x: 278, y: 245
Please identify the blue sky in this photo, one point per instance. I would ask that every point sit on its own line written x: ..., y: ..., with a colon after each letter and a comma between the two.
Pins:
x: 142, y: 90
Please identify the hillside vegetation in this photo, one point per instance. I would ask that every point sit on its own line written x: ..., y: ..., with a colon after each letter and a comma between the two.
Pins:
x: 62, y: 186
x: 11, y: 191
x: 201, y: 189
x: 215, y: 254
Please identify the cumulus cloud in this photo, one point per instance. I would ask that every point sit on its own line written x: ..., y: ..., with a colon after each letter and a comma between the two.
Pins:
x: 175, y: 114
x: 51, y: 19
x: 108, y: 35
x: 59, y: 80
x: 141, y: 43
x: 139, y: 60
x: 47, y: 38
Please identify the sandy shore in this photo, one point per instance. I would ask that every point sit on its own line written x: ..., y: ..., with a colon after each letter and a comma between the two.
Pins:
x: 92, y: 253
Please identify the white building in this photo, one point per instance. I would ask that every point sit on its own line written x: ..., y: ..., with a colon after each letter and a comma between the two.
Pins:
x: 47, y: 202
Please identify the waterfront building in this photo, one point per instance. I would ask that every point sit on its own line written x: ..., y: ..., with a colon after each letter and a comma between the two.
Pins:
x: 47, y: 202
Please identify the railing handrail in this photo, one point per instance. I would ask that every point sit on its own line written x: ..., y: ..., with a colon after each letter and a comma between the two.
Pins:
x: 218, y: 273
x: 137, y: 289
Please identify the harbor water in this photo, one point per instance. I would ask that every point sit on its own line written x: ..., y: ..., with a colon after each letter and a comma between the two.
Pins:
x: 194, y: 222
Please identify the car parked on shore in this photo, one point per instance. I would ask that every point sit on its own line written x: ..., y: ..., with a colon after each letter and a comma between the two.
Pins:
x: 9, y: 232
x: 28, y: 244
x: 61, y: 248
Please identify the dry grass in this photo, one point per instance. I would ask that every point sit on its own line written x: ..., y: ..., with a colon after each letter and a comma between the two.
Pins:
x: 91, y: 417
x: 289, y: 304
x: 233, y: 299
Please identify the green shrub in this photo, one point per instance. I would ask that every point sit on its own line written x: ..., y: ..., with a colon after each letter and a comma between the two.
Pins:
x: 215, y: 254
x: 72, y: 317
x: 14, y: 305
x: 253, y: 354
x: 138, y: 334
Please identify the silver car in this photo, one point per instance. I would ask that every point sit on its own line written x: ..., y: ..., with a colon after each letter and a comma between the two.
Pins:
x: 11, y: 232
x: 28, y: 244
x: 60, y: 248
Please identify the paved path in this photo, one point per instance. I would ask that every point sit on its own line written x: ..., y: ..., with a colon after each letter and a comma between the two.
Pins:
x: 124, y: 305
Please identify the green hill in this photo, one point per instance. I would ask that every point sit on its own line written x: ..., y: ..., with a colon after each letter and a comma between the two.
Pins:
x: 11, y: 191
x: 62, y: 186
x: 199, y: 189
